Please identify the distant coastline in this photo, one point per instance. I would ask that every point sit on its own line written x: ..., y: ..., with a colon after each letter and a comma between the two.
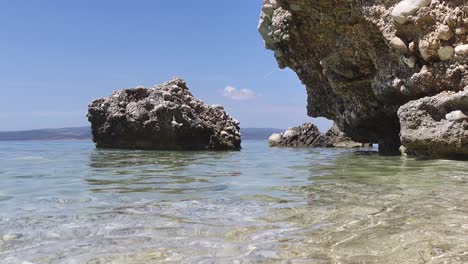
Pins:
x: 84, y: 133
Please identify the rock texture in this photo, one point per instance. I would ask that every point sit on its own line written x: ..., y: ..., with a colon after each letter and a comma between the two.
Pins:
x: 361, y: 60
x: 308, y: 135
x: 436, y: 126
x: 165, y: 117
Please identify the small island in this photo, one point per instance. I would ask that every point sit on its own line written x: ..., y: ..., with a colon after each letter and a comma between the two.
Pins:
x: 165, y: 117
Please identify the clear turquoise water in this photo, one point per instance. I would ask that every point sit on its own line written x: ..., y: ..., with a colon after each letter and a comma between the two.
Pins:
x: 67, y: 202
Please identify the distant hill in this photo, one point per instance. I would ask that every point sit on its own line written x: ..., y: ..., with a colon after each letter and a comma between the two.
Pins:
x: 48, y: 134
x: 80, y: 133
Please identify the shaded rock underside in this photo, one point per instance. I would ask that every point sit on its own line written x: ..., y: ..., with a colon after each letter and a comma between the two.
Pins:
x: 362, y: 60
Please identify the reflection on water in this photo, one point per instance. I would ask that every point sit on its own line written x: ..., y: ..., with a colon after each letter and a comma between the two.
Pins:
x: 164, y: 172
x: 66, y: 202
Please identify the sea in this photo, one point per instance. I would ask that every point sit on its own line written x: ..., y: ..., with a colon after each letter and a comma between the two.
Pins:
x: 68, y: 202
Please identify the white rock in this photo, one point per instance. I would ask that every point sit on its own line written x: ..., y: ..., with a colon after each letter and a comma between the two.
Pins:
x: 175, y: 124
x: 461, y: 49
x: 274, y: 139
x: 446, y: 53
x: 398, y: 44
x: 272, y: 3
x: 403, y: 151
x: 424, y: 70
x: 427, y: 49
x: 456, y: 116
x: 411, y: 61
x: 444, y: 32
x: 460, y: 30
x: 406, y: 8
x: 12, y: 236
x: 289, y: 133
x: 186, y: 107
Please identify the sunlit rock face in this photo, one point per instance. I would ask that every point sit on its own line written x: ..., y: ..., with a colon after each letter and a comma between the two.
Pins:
x: 308, y: 135
x: 305, y: 135
x: 436, y: 126
x: 361, y: 60
x: 165, y: 117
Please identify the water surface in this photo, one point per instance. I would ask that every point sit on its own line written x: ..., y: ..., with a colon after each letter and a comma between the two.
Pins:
x: 67, y: 202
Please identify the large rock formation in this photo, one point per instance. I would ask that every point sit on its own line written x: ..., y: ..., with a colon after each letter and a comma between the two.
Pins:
x: 436, y: 126
x: 164, y: 117
x: 308, y: 135
x: 361, y: 60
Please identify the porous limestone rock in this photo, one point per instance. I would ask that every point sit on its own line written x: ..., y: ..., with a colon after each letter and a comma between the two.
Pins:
x: 406, y: 8
x: 436, y: 126
x: 444, y: 32
x: 165, y: 117
x: 308, y: 135
x: 361, y: 60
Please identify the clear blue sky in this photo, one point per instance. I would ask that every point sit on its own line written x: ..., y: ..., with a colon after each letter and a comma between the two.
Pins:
x: 58, y: 55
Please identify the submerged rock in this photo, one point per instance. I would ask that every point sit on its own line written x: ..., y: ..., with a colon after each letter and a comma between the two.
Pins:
x: 166, y: 116
x: 436, y: 126
x: 308, y: 135
x: 362, y: 60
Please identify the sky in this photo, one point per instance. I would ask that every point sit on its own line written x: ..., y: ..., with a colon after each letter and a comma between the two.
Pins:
x: 56, y: 56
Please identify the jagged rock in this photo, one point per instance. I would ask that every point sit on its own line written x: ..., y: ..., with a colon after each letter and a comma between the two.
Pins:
x: 308, y: 135
x: 436, y: 126
x: 164, y: 117
x: 361, y: 60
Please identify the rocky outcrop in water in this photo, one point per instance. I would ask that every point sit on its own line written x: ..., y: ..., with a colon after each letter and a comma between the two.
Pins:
x: 362, y: 60
x: 308, y: 135
x: 436, y: 126
x: 165, y: 117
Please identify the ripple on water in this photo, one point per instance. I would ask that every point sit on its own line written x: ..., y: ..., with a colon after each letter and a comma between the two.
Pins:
x: 259, y: 205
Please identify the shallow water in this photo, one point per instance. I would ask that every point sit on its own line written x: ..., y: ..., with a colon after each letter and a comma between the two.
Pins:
x: 67, y: 202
